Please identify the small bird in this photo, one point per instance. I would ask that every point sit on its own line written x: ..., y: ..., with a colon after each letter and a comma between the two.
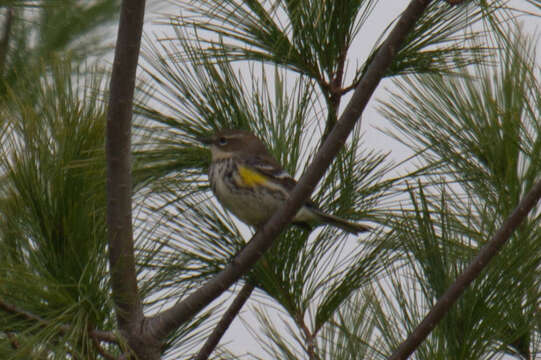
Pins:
x: 251, y: 184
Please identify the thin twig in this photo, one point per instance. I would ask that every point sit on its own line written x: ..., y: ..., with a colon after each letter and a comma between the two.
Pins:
x: 486, y: 254
x: 226, y: 320
x: 163, y: 323
x: 348, y: 88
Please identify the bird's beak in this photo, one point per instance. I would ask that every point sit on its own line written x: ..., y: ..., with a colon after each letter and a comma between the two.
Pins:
x: 207, y: 140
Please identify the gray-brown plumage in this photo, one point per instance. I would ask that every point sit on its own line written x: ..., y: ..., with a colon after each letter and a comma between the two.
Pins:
x: 251, y: 184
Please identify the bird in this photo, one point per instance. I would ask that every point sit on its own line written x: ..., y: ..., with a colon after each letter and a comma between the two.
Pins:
x: 251, y: 184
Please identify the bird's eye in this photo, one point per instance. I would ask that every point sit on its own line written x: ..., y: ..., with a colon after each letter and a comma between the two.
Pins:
x: 222, y: 141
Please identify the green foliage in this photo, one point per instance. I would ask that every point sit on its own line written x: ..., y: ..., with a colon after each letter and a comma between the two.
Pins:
x: 68, y: 24
x: 309, y: 37
x: 490, y: 158
x: 41, y: 30
x: 347, y: 334
x: 52, y: 223
x: 490, y: 120
x: 487, y: 321
x: 52, y: 200
x: 273, y: 67
x: 443, y: 41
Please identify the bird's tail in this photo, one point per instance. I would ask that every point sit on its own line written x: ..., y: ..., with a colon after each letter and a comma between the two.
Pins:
x: 343, y: 224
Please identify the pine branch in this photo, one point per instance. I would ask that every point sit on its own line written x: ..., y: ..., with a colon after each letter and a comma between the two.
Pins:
x: 226, y: 320
x: 160, y: 325
x: 100, y: 335
x: 118, y: 152
x: 478, y: 264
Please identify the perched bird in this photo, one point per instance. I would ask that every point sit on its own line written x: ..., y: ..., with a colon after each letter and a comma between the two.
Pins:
x: 251, y: 184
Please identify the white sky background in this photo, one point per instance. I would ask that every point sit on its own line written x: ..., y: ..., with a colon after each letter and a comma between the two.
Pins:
x: 238, y: 336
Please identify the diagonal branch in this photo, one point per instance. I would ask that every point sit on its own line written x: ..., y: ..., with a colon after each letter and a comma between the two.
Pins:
x: 226, y: 320
x: 160, y: 325
x: 118, y: 154
x: 486, y: 254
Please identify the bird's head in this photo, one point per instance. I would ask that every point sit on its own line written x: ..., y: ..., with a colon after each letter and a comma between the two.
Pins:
x: 229, y: 143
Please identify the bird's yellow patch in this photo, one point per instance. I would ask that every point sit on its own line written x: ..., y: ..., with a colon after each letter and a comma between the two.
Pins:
x: 251, y: 178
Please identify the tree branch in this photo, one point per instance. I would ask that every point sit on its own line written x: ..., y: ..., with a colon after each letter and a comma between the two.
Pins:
x: 226, y: 320
x: 160, y: 325
x: 118, y: 153
x: 309, y: 337
x: 335, y: 94
x: 129, y: 310
x: 485, y: 255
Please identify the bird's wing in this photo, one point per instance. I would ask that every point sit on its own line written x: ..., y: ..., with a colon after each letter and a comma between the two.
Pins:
x: 270, y: 168
x: 267, y: 166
